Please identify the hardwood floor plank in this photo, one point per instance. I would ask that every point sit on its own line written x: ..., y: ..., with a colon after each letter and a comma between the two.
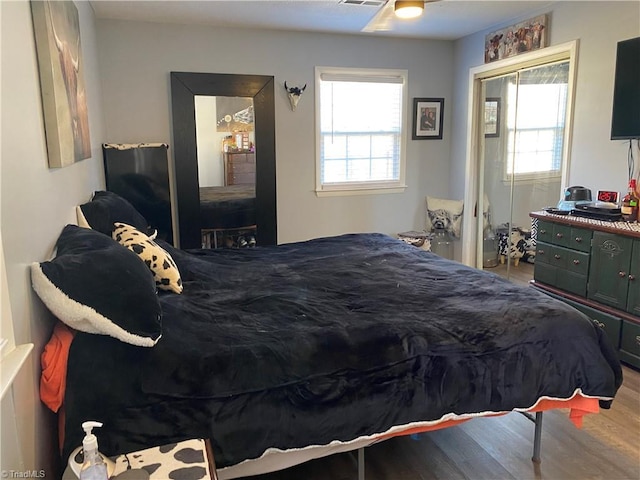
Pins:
x: 468, y: 455
x: 428, y: 459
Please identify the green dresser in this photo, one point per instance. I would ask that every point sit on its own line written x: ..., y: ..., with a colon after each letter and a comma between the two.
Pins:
x: 595, y: 267
x: 562, y: 256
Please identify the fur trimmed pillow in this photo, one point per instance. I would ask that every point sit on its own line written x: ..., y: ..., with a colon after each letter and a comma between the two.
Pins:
x: 95, y: 285
x: 107, y: 208
x: 446, y: 214
x: 164, y: 269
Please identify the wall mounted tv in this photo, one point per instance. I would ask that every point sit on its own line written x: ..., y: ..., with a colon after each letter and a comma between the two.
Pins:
x: 625, y: 121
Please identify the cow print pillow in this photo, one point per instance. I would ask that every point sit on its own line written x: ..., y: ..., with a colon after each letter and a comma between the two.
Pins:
x: 165, y: 272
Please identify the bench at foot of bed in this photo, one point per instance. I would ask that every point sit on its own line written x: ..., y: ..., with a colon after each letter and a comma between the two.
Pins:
x: 163, y: 462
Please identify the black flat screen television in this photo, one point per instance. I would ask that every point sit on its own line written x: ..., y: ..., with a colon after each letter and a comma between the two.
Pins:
x: 625, y: 120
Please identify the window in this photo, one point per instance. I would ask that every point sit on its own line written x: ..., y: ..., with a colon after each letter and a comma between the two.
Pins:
x: 536, y: 122
x: 360, y: 130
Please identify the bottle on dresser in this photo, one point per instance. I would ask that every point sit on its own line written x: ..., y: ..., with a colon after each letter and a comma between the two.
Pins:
x: 638, y: 197
x: 630, y: 203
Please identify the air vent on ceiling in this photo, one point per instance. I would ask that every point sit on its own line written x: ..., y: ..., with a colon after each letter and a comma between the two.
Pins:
x: 366, y: 3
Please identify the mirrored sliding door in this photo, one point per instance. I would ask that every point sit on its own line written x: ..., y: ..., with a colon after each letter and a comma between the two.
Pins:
x: 521, y: 162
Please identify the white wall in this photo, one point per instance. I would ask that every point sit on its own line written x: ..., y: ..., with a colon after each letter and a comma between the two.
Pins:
x: 596, y: 161
x: 208, y: 142
x: 137, y: 58
x: 35, y: 204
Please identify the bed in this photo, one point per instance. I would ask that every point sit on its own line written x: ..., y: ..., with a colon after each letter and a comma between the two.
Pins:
x: 280, y: 354
x: 228, y: 207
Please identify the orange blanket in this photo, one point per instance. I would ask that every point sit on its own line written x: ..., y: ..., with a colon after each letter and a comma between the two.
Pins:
x: 578, y: 404
x: 53, y: 360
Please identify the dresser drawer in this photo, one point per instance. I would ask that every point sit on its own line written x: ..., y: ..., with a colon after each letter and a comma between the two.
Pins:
x: 244, y: 167
x: 545, y: 273
x: 630, y: 341
x: 242, y: 179
x: 545, y: 231
x: 544, y: 252
x: 580, y: 239
x: 571, y: 282
x: 561, y: 257
x: 611, y: 325
x: 576, y: 262
x: 561, y: 235
x: 561, y: 267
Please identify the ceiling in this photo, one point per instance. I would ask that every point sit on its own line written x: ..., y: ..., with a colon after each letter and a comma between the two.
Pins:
x: 443, y: 20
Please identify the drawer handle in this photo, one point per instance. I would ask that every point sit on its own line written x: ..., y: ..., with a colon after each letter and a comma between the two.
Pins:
x: 638, y: 339
x: 578, y: 239
x: 576, y: 262
x: 559, y: 235
x: 556, y: 256
x: 540, y: 252
x: 600, y: 324
x: 543, y: 231
x: 632, y: 278
x: 622, y: 274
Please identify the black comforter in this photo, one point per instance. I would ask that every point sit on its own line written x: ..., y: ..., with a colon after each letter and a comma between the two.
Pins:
x: 232, y: 206
x: 329, y: 339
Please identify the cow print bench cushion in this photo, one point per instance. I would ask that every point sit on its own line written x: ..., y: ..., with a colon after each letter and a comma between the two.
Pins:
x: 164, y: 269
x: 186, y: 460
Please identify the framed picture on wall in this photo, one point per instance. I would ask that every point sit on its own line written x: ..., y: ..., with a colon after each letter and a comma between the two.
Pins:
x: 428, y: 114
x: 519, y: 38
x: 492, y: 117
x: 61, y: 67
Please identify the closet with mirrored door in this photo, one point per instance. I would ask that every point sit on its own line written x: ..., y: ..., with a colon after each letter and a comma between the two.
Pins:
x: 522, y: 111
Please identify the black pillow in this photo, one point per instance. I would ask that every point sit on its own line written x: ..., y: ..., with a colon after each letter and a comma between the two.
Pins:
x: 107, y: 208
x: 96, y: 285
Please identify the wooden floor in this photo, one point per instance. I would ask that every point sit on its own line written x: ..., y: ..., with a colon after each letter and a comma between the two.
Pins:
x: 607, y: 447
x: 520, y: 274
x: 497, y: 448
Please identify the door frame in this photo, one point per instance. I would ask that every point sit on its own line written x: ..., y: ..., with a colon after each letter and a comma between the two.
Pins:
x: 471, y: 247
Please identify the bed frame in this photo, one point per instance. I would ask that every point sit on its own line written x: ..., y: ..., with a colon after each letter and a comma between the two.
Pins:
x: 537, y: 439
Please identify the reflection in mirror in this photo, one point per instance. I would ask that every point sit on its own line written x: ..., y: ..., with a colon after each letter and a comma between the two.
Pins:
x: 226, y: 170
x: 223, y: 125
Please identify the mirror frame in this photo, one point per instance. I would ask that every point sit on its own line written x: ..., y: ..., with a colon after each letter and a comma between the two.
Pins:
x: 184, y: 87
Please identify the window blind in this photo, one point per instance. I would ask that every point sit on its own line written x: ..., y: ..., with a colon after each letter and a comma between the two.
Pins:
x: 360, y: 128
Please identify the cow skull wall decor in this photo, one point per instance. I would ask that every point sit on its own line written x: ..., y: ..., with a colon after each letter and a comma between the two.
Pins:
x: 294, y: 95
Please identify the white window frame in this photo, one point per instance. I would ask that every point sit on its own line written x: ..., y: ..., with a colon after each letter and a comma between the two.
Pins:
x: 361, y: 188
x: 531, y: 177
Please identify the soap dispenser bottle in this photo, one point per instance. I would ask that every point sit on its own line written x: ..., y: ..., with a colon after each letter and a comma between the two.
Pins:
x: 94, y: 467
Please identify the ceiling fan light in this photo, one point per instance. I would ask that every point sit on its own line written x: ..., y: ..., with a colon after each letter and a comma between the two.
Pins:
x: 408, y: 8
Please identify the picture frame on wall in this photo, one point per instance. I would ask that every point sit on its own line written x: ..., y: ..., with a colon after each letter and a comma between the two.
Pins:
x: 60, y: 64
x: 520, y: 38
x: 428, y: 116
x: 492, y: 117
